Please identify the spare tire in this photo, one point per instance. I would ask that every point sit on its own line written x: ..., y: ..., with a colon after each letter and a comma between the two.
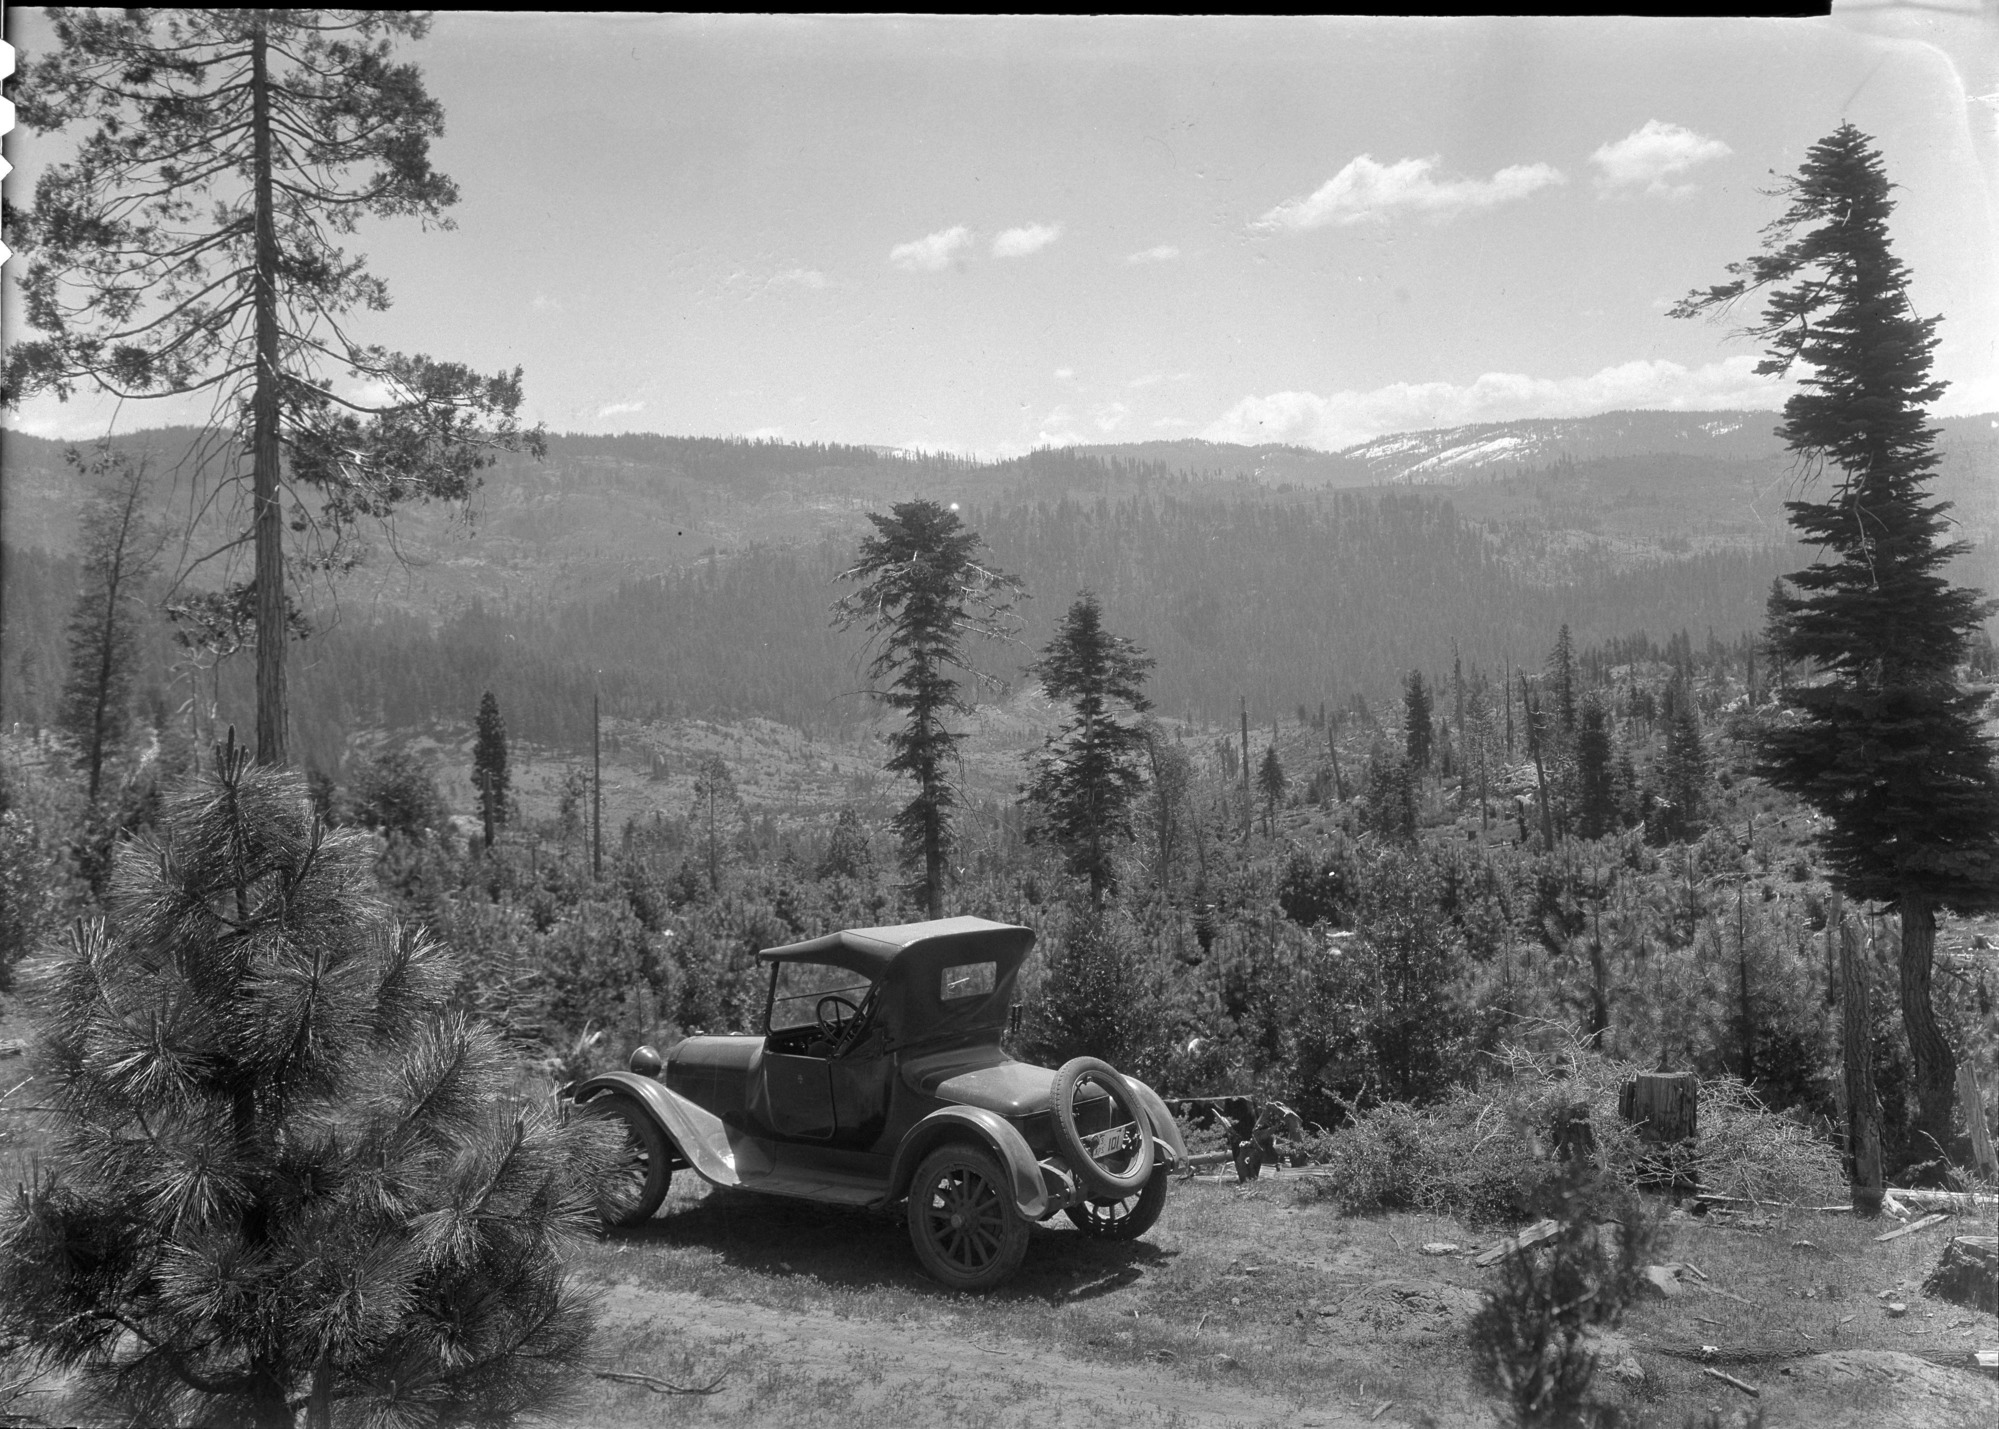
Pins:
x: 1110, y: 1168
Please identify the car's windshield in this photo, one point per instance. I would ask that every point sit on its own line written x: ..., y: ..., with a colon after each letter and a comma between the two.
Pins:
x: 801, y: 986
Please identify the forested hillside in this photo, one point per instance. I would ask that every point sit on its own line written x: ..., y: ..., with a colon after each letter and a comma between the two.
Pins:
x: 687, y: 577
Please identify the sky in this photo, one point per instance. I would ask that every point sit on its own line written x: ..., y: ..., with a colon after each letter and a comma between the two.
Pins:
x: 983, y: 235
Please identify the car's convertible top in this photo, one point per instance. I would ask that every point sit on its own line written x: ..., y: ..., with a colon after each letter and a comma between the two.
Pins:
x: 920, y: 953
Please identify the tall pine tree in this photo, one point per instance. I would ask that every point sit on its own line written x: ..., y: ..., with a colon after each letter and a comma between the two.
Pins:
x: 489, y: 765
x: 1087, y: 777
x: 190, y: 249
x: 119, y: 551
x: 1270, y: 781
x: 922, y: 590
x: 1417, y: 732
x: 1887, y: 741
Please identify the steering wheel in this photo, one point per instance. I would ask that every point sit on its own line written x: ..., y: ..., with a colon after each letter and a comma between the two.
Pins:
x: 840, y: 1025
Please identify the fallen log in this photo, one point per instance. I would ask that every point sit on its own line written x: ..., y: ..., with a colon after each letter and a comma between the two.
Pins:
x: 1749, y: 1389
x: 1533, y: 1235
x: 1934, y: 1219
x: 660, y: 1386
x: 1946, y: 1200
x: 1923, y: 1200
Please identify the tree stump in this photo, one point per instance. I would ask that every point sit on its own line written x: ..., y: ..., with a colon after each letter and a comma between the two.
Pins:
x: 1575, y: 1138
x: 1968, y: 1274
x: 1665, y: 1109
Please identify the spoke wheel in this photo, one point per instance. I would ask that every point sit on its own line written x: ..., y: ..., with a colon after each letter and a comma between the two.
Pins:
x: 1126, y: 1219
x: 635, y: 1183
x: 962, y: 1221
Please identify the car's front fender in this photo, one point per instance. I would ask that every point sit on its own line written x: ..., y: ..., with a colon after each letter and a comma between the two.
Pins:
x: 696, y: 1133
x: 991, y: 1130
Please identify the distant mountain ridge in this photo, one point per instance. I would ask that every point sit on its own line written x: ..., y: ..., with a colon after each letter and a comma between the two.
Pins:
x: 1444, y: 456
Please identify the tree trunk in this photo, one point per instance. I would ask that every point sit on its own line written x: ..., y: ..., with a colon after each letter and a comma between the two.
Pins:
x: 1742, y: 990
x: 265, y: 453
x: 107, y: 653
x: 933, y: 858
x: 1935, y: 1066
x: 1863, y: 1102
x: 1248, y: 804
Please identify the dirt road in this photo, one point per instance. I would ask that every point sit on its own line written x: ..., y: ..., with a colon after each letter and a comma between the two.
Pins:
x: 810, y: 1367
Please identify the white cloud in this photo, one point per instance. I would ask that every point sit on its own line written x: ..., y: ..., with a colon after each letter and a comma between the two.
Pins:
x: 799, y: 278
x: 931, y: 254
x: 1646, y: 158
x: 1163, y: 253
x: 1031, y: 238
x: 543, y: 303
x: 1346, y: 418
x: 1064, y: 374
x: 367, y: 391
x: 1110, y: 416
x: 1365, y: 191
x: 620, y: 409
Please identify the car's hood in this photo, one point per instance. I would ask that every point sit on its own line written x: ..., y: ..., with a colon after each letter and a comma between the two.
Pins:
x: 983, y: 1078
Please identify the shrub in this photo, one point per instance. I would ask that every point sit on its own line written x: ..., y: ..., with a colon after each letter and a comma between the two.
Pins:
x: 1486, y: 1152
x: 1532, y: 1340
x: 286, y: 1175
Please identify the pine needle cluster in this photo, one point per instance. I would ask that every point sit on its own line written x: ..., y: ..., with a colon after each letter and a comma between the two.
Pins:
x: 287, y: 1176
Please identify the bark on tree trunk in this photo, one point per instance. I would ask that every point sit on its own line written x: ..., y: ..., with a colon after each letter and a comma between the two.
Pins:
x: 266, y: 517
x: 1863, y: 1102
x: 1935, y: 1064
x: 933, y: 859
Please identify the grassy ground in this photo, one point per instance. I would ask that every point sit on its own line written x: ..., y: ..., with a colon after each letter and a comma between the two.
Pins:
x: 1253, y: 1304
x: 1257, y: 1304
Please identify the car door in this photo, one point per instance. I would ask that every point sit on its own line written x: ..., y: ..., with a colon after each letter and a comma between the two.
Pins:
x: 798, y: 1096
x: 793, y: 1093
x: 861, y: 1077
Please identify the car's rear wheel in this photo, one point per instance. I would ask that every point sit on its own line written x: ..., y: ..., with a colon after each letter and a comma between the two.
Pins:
x: 962, y: 1221
x: 632, y: 1190
x: 1125, y: 1219
x: 1113, y: 1163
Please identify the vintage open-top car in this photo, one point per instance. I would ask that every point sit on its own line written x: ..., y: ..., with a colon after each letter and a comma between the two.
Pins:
x: 879, y: 1079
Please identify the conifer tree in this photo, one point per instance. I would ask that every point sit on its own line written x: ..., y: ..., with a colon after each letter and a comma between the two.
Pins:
x: 1417, y: 733
x: 189, y: 249
x: 119, y: 551
x: 1087, y: 776
x: 923, y: 591
x: 1388, y: 794
x: 1683, y: 778
x: 1561, y: 673
x: 1596, y: 795
x: 286, y: 1176
x: 1270, y: 782
x: 1887, y: 742
x: 715, y: 797
x: 489, y: 765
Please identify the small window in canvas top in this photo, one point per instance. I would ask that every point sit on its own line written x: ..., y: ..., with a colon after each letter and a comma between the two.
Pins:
x: 967, y: 980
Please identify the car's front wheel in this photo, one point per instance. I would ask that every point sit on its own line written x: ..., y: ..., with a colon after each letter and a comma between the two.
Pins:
x: 1126, y: 1219
x: 636, y: 1183
x: 962, y: 1221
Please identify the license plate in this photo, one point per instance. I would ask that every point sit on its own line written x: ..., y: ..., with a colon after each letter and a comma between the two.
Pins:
x: 1109, y: 1143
